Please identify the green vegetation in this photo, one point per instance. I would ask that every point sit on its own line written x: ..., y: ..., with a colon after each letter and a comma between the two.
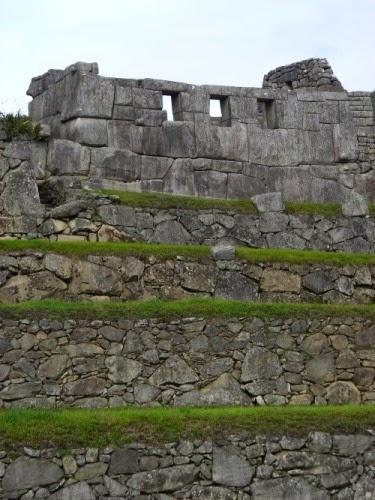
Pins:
x: 75, y: 428
x: 17, y: 125
x: 168, y: 251
x: 165, y: 201
x: 198, y: 307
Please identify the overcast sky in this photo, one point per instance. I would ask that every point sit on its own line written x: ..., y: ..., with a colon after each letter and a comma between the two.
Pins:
x: 199, y: 41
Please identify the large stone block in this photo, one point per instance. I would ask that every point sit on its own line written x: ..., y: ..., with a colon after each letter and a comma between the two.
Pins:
x: 115, y: 164
x: 68, y: 158
x: 180, y: 178
x: 210, y: 183
x: 20, y: 194
x: 149, y: 99
x: 26, y: 473
x: 87, y: 95
x: 159, y: 480
x: 89, y: 131
x: 230, y: 468
x: 345, y: 143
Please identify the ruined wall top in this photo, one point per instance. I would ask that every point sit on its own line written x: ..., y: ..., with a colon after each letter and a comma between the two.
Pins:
x: 310, y: 73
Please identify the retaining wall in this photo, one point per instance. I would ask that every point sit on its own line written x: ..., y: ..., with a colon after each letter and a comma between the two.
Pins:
x: 317, y: 465
x: 192, y: 361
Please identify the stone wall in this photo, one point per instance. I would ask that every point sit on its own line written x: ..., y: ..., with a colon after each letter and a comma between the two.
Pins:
x: 311, y: 144
x: 191, y: 361
x: 27, y: 275
x: 314, y: 466
x: 50, y: 208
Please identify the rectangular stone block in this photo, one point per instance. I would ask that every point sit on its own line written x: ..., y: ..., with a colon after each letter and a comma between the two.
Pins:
x: 125, y: 135
x: 149, y: 117
x: 197, y: 101
x: 345, y: 143
x: 148, y: 99
x: 210, y: 183
x: 87, y: 95
x: 123, y: 113
x: 153, y: 167
x: 68, y: 158
x: 90, y: 131
x: 115, y: 164
x: 123, y: 95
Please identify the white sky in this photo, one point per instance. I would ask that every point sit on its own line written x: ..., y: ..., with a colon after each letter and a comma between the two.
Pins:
x: 199, y: 41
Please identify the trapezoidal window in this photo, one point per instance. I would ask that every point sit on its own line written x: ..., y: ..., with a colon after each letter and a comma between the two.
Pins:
x: 169, y: 106
x: 219, y: 111
x: 266, y: 109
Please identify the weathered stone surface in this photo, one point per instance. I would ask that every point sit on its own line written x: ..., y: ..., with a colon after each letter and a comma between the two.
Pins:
x: 74, y: 491
x: 59, y: 265
x: 233, y: 285
x: 68, y: 158
x: 168, y: 479
x: 342, y: 392
x: 27, y: 473
x: 91, y: 471
x: 124, y: 461
x: 280, y: 281
x: 112, y: 334
x: 123, y: 370
x: 21, y: 181
x: 32, y: 287
x: 69, y: 209
x: 54, y: 366
x: 170, y: 232
x: 287, y: 488
x: 92, y: 278
x: 88, y: 131
x: 318, y: 282
x: 223, y: 252
x: 230, y: 469
x: 117, y: 215
x: 92, y: 386
x: 174, y: 371
x: 355, y: 205
x: 225, y: 390
x: 260, y: 363
x: 213, y: 493
x: 320, y: 367
x: 269, y: 202
x: 20, y: 391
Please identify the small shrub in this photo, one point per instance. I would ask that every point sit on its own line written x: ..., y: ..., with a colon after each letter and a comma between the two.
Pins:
x: 18, y: 125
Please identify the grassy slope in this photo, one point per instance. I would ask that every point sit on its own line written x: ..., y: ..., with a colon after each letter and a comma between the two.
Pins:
x: 198, y: 307
x: 164, y: 201
x: 164, y: 251
x: 73, y: 428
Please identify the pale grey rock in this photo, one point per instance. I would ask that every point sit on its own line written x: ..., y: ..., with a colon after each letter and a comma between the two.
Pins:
x: 69, y: 464
x: 223, y: 252
x: 4, y: 372
x: 115, y: 488
x: 112, y: 334
x: 229, y: 468
x: 260, y: 364
x: 91, y: 471
x: 91, y: 386
x: 21, y: 181
x: 26, y: 473
x: 168, y: 479
x: 354, y: 205
x: 20, y: 391
x: 115, y: 164
x: 235, y: 286
x: 75, y: 491
x: 117, y: 215
x: 53, y: 367
x: 343, y: 392
x: 213, y: 493
x: 352, y: 444
x: 319, y: 442
x: 320, y: 367
x: 59, y: 265
x: 318, y: 282
x: 170, y: 231
x: 31, y: 287
x: 145, y: 393
x: 123, y: 370
x: 364, y: 488
x: 287, y: 487
x: 68, y: 158
x: 124, y: 461
x: 88, y: 131
x: 269, y: 202
x: 174, y: 371
x: 94, y: 279
x: 224, y: 391
x: 69, y: 209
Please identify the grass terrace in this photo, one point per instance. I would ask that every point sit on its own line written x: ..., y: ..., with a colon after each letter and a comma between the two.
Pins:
x: 169, y: 251
x: 197, y: 307
x: 76, y: 428
x: 166, y: 201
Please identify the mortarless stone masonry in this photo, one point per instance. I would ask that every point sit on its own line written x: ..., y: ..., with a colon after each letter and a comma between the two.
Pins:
x: 187, y: 362
x: 302, y: 134
x: 310, y: 467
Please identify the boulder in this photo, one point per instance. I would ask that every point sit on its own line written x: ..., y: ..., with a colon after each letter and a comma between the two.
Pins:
x: 31, y: 287
x: 229, y: 468
x: 122, y: 370
x: 26, y: 473
x: 343, y: 392
x: 75, y: 491
x: 260, y: 364
x: 170, y: 231
x: 124, y: 461
x: 236, y: 286
x: 174, y: 371
x: 168, y: 479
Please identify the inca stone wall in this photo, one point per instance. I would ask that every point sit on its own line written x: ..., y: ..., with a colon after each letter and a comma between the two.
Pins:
x: 28, y: 275
x: 315, y: 466
x: 51, y: 209
x: 309, y: 139
x: 186, y: 362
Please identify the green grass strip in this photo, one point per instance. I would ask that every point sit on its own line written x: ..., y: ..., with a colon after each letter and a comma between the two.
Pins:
x: 74, y: 428
x: 169, y: 251
x: 165, y: 201
x: 198, y: 307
